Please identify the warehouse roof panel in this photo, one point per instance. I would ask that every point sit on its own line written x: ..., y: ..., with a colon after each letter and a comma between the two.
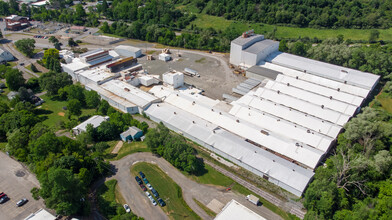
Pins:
x: 260, y: 46
x: 326, y: 70
x: 242, y: 41
x: 231, y: 144
x: 268, y: 73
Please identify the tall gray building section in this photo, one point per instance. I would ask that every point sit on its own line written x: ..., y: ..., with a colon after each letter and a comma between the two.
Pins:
x: 250, y: 50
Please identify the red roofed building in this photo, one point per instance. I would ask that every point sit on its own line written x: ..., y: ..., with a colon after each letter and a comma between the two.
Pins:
x: 15, y: 22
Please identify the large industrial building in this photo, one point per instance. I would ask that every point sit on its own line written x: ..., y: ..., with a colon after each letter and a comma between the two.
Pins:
x: 284, y: 125
x: 285, y: 121
x: 234, y: 210
x: 128, y: 51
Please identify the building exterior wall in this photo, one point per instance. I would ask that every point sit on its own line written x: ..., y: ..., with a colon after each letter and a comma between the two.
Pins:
x: 254, y: 75
x: 235, y: 53
x: 248, y: 59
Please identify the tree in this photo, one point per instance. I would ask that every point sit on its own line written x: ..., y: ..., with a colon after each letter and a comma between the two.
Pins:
x: 74, y: 107
x: 72, y: 43
x: 34, y: 68
x: 24, y: 95
x: 26, y: 46
x: 374, y: 35
x: 283, y: 46
x: 1, y: 34
x: 92, y: 99
x: 17, y: 142
x: 14, y: 79
x: 62, y: 191
x: 4, y: 108
x: 52, y: 82
x: 53, y: 39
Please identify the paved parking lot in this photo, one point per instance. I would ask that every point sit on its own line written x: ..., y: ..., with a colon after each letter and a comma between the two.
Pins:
x: 16, y: 182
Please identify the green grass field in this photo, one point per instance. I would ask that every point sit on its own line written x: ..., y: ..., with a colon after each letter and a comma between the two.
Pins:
x: 29, y: 68
x: 385, y: 100
x: 54, y: 113
x: 109, y: 198
x: 219, y: 23
x: 126, y: 149
x: 169, y: 191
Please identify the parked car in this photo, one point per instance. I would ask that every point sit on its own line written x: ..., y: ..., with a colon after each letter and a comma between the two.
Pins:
x: 2, y: 194
x: 21, y: 202
x: 138, y: 180
x: 145, y: 180
x: 149, y: 186
x: 126, y: 207
x: 4, y: 199
x: 143, y: 187
x: 154, y: 192
x: 142, y: 174
x: 152, y: 200
x: 161, y: 202
x: 148, y: 194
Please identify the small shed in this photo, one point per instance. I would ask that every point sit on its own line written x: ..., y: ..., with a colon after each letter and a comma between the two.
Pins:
x: 164, y: 57
x: 132, y: 133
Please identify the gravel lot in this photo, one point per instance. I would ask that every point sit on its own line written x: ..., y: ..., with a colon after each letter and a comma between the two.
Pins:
x: 214, y: 79
x: 16, y: 182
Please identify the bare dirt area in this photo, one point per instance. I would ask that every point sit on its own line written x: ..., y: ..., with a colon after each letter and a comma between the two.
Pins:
x: 16, y: 182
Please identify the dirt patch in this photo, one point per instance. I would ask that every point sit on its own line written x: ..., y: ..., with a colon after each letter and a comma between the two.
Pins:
x: 61, y: 114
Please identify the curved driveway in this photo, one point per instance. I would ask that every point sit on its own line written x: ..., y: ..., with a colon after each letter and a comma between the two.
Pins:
x: 141, y: 206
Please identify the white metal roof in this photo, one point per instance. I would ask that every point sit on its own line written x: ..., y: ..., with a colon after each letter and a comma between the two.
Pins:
x: 317, y: 99
x: 303, y: 106
x: 110, y: 95
x: 41, y: 214
x: 95, y: 121
x: 129, y: 92
x: 127, y: 47
x: 289, y: 114
x: 242, y: 41
x: 322, y: 90
x: 329, y: 83
x: 96, y: 74
x: 234, y: 210
x: 231, y: 144
x: 304, y: 154
x: 326, y: 70
x: 283, y: 128
x: 75, y: 65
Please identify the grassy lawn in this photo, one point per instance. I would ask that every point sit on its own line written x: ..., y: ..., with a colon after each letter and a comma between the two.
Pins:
x: 2, y: 145
x: 205, y: 208
x: 12, y: 64
x: 109, y: 199
x: 54, y: 113
x: 29, y: 68
x: 385, y: 100
x: 169, y: 191
x: 3, y: 96
x: 220, y: 23
x: 126, y: 149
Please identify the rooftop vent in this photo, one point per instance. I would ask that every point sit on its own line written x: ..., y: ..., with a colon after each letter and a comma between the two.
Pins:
x: 322, y: 106
x: 288, y: 84
x: 175, y: 113
x: 238, y: 121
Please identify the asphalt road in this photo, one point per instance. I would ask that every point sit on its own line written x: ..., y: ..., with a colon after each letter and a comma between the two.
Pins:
x: 140, y: 204
x: 16, y: 181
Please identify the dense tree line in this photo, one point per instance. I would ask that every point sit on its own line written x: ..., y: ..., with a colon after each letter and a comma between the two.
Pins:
x: 303, y: 13
x: 374, y: 58
x: 174, y: 149
x: 356, y: 182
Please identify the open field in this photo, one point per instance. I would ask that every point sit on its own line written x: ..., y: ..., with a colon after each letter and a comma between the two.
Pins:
x: 169, y: 191
x: 109, y: 199
x: 219, y: 23
x: 130, y: 148
x: 54, y: 113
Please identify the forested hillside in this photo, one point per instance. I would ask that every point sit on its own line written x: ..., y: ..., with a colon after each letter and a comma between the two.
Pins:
x: 303, y: 13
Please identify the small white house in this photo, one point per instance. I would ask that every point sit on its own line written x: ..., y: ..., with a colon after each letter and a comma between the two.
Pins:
x: 147, y: 80
x: 5, y: 56
x: 173, y: 78
x: 95, y: 121
x: 164, y: 57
